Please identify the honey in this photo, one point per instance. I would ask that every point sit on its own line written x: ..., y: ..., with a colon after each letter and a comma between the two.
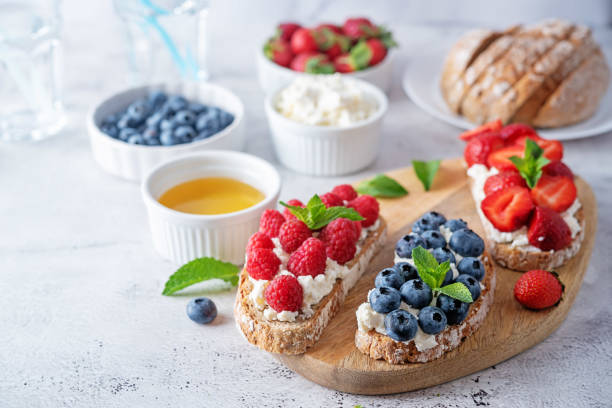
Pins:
x: 211, y: 195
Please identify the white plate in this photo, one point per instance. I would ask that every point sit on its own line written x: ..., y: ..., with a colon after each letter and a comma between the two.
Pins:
x: 421, y: 83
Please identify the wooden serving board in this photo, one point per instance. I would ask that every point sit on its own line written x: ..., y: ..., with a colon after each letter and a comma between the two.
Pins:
x: 508, y: 329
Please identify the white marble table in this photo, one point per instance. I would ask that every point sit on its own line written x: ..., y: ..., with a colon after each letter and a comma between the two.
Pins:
x: 82, y: 321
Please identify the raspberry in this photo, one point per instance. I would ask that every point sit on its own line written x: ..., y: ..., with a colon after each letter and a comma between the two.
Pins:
x: 367, y: 207
x: 270, y: 222
x: 340, y: 227
x: 346, y: 192
x: 287, y: 214
x: 331, y: 200
x: 259, y: 240
x: 341, y: 248
x: 308, y: 259
x: 284, y: 293
x: 357, y: 226
x: 292, y: 233
x: 262, y: 263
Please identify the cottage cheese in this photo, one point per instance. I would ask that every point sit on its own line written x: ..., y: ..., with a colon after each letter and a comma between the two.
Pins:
x: 325, y: 100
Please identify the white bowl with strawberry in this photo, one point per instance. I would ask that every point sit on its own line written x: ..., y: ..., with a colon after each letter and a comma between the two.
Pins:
x: 357, y: 48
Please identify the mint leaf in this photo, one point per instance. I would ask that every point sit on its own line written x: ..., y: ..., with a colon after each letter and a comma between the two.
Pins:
x: 427, y: 267
x: 200, y: 270
x: 426, y: 171
x: 381, y: 186
x: 316, y: 216
x: 441, y: 271
x: 531, y: 164
x: 457, y: 291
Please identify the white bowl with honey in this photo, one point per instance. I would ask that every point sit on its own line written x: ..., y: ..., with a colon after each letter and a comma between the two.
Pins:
x: 208, y: 204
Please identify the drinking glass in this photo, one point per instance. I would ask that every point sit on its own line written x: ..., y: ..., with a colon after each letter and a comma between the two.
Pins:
x: 30, y: 63
x: 166, y: 39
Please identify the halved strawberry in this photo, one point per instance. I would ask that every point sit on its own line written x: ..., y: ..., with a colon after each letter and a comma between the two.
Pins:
x: 500, y: 159
x: 510, y: 133
x: 503, y: 180
x: 554, y: 192
x: 480, y: 147
x: 508, y: 209
x: 553, y: 149
x: 494, y: 126
x: 548, y: 231
x: 558, y: 168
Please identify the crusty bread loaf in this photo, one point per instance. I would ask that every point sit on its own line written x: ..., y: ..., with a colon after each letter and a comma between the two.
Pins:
x: 529, y: 75
x: 295, y: 337
x: 379, y: 346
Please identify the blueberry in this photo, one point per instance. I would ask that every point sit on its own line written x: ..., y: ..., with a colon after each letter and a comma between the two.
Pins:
x: 406, y: 270
x: 154, y: 141
x: 166, y: 138
x: 185, y: 117
x: 472, y: 284
x: 428, y: 221
x: 110, y: 129
x: 443, y: 255
x: 225, y: 119
x: 466, y: 242
x: 168, y: 124
x: 124, y: 134
x: 416, y: 293
x: 157, y: 99
x: 136, y: 138
x: 155, y: 119
x: 471, y: 266
x: 184, y: 134
x: 433, y: 239
x: 202, y: 310
x: 205, y: 134
x: 196, y: 107
x: 126, y: 121
x: 138, y: 110
x: 384, y: 300
x: 432, y: 320
x: 150, y: 132
x: 455, y: 310
x: 208, y: 120
x: 401, y: 325
x: 176, y: 103
x: 389, y: 278
x: 407, y: 243
x: 455, y: 224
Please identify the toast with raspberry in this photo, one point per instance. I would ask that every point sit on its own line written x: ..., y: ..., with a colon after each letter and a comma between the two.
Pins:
x: 283, y: 306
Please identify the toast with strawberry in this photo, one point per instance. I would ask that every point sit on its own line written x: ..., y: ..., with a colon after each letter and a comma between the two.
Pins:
x: 300, y: 266
x: 525, y: 195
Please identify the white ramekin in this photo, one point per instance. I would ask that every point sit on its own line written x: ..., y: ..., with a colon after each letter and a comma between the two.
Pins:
x: 181, y: 237
x: 132, y: 162
x: 273, y: 76
x: 327, y: 150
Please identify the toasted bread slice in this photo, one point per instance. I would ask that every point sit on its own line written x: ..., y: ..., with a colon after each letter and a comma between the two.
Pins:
x: 295, y: 337
x: 379, y: 346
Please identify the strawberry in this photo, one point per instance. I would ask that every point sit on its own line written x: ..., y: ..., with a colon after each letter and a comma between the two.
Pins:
x: 554, y: 192
x: 500, y: 159
x: 479, y: 148
x: 553, y: 149
x: 330, y: 43
x: 360, y: 27
x: 503, y: 180
x: 285, y: 31
x: 548, y: 231
x: 303, y: 40
x: 508, y: 209
x: 510, y: 133
x: 313, y: 63
x: 558, y: 168
x: 368, y: 53
x: 538, y: 289
x: 344, y: 63
x: 278, y: 51
x: 494, y: 126
x: 332, y: 27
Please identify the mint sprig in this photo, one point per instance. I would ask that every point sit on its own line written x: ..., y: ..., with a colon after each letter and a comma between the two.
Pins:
x: 316, y: 216
x: 381, y: 186
x: 531, y: 164
x: 200, y: 270
x: 426, y: 171
x: 433, y: 275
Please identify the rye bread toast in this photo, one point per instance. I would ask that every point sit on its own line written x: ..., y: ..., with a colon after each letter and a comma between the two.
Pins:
x: 295, y: 337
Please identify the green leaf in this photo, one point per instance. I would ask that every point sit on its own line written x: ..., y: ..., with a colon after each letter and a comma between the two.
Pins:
x: 381, y: 186
x: 426, y: 171
x: 441, y: 271
x: 199, y: 270
x: 316, y: 216
x: 427, y: 267
x: 361, y: 55
x: 457, y: 291
x: 531, y: 164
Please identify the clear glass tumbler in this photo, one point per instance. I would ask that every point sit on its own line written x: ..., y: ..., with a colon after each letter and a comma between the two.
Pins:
x: 167, y: 39
x: 30, y: 64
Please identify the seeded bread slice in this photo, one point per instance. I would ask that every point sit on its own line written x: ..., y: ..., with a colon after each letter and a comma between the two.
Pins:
x: 379, y: 346
x: 295, y: 337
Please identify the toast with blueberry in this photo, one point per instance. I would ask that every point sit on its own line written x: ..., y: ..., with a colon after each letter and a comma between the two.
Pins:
x: 300, y: 266
x: 436, y: 294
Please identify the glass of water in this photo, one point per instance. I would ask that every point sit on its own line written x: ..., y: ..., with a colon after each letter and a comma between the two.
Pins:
x: 167, y: 39
x: 30, y: 62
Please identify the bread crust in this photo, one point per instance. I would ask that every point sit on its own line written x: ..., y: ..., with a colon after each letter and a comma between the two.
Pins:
x: 382, y: 347
x: 295, y: 337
